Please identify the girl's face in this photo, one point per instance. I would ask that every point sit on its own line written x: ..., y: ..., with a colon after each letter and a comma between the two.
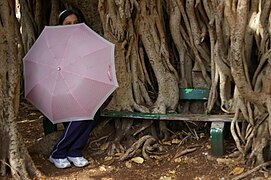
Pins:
x: 71, y: 19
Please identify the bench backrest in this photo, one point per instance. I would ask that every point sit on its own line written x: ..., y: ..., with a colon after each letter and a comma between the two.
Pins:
x: 194, y: 94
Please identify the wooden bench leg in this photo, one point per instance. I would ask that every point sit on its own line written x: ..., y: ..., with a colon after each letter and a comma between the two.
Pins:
x: 217, y: 138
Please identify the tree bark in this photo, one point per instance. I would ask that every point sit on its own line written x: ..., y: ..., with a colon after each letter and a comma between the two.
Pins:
x: 13, y: 150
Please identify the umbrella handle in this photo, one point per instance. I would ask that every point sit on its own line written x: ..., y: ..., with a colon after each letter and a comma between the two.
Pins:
x: 109, y: 73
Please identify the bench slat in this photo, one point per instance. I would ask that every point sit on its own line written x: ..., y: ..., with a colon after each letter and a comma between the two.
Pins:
x: 173, y: 117
x: 194, y: 94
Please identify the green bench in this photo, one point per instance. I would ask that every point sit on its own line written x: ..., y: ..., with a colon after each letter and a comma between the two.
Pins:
x: 217, y: 121
x: 188, y: 94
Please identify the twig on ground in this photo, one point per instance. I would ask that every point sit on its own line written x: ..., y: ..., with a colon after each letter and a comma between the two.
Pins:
x: 186, y: 137
x: 188, y: 150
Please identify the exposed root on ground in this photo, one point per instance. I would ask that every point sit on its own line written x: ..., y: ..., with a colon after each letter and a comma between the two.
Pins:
x: 252, y: 170
x: 148, y: 144
x: 183, y: 152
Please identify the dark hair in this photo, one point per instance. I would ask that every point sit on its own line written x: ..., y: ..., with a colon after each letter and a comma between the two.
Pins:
x: 70, y: 11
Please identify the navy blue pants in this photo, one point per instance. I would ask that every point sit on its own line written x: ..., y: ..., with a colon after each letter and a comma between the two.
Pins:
x: 73, y: 140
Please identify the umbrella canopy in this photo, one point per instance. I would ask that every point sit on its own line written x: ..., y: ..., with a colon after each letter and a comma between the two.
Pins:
x: 69, y: 72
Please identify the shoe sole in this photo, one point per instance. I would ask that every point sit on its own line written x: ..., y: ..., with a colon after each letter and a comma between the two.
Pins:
x: 59, y: 167
x: 79, y: 166
x: 76, y: 165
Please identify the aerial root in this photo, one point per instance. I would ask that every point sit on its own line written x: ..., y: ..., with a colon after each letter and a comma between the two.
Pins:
x: 148, y: 144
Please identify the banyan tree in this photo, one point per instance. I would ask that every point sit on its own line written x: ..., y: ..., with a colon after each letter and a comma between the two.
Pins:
x: 161, y: 45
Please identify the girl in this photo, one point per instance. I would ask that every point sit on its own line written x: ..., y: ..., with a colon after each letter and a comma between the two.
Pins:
x: 75, y: 136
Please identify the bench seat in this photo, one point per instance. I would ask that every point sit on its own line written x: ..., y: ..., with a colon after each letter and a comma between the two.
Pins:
x: 170, y: 117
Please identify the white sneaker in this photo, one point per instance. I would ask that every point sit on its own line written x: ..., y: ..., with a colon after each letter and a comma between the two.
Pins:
x: 78, y: 161
x: 60, y: 163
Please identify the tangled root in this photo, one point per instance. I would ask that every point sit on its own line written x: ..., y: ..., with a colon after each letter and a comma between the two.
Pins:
x: 148, y: 143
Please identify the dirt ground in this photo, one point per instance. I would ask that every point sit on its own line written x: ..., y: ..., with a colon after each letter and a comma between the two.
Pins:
x: 195, y: 165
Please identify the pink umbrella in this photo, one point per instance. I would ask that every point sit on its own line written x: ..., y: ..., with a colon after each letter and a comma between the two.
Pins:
x: 69, y: 72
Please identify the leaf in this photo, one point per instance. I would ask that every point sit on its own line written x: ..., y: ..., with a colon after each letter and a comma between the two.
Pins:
x: 128, y: 164
x: 165, y: 178
x: 176, y: 141
x: 237, y: 171
x: 208, y: 146
x: 102, y: 168
x: 178, y: 160
x: 138, y: 160
x: 156, y: 157
x: 119, y: 154
x: 108, y: 158
x: 172, y: 171
x: 166, y: 143
x: 224, y: 161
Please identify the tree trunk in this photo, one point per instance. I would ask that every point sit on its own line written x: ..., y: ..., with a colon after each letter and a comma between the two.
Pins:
x: 13, y: 150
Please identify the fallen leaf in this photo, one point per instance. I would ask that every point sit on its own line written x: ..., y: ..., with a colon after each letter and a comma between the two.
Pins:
x: 128, y: 164
x: 237, y: 171
x: 138, y: 160
x: 108, y: 158
x: 165, y: 178
x: 166, y: 143
x: 201, y: 178
x: 155, y: 157
x: 172, y: 171
x: 102, y: 168
x: 224, y: 161
x: 178, y: 160
x: 176, y: 141
x: 119, y: 154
